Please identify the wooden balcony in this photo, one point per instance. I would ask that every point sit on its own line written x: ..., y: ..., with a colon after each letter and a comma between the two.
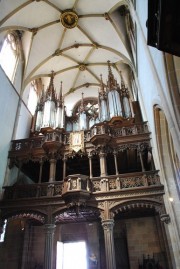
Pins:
x: 131, y: 186
x: 116, y: 135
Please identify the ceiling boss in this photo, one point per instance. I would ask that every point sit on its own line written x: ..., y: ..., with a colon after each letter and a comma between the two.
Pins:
x: 69, y: 19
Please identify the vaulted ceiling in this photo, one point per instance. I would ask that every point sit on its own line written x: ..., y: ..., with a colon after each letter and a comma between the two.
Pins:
x: 74, y: 38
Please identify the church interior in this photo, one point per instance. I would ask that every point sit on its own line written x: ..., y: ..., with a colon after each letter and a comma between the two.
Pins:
x: 90, y: 134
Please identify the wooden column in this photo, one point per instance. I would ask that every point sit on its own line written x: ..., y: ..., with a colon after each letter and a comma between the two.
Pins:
x: 109, y: 243
x: 64, y: 167
x: 40, y: 170
x: 90, y: 166
x: 48, y: 252
x: 115, y: 161
x: 102, y: 157
x: 141, y: 160
x: 52, y: 172
x: 108, y: 224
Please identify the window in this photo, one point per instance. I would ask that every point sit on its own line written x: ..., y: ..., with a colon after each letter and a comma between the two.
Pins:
x: 32, y: 100
x: 9, y: 55
x: 3, y: 231
x: 168, y: 154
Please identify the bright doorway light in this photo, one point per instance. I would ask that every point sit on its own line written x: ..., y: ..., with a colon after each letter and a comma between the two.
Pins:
x: 71, y: 255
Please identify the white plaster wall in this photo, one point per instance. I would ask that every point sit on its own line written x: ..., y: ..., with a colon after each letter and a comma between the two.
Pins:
x: 24, y: 119
x: 18, y: 76
x: 152, y: 77
x: 8, y: 107
x: 154, y: 90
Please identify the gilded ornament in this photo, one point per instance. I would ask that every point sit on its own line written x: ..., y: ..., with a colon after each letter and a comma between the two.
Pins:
x: 69, y: 19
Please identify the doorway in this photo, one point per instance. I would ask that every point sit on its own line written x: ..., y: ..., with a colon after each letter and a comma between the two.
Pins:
x: 71, y: 255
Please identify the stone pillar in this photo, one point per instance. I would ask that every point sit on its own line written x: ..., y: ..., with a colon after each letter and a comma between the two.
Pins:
x: 52, y: 172
x: 48, y: 252
x: 141, y: 160
x: 102, y: 157
x: 40, y: 171
x: 115, y: 161
x: 64, y: 167
x: 90, y: 166
x: 109, y: 243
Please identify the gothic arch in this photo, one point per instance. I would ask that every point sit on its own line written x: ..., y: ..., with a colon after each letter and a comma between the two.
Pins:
x: 139, y: 203
x: 167, y: 153
x: 31, y: 215
x: 73, y: 213
x: 172, y: 62
x: 169, y: 164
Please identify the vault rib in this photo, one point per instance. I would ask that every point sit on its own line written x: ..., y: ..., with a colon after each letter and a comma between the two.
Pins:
x: 14, y: 12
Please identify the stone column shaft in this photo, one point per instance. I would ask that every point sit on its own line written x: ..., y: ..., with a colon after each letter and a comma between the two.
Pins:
x: 109, y: 243
x: 48, y: 252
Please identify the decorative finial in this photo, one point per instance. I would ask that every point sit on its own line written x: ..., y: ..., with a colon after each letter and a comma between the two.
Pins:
x: 82, y: 99
x: 60, y: 99
x: 102, y: 84
x: 102, y: 92
x: 52, y: 77
x: 111, y: 80
x: 82, y: 108
x: 50, y: 91
x: 109, y: 69
x: 60, y: 93
x: 122, y: 80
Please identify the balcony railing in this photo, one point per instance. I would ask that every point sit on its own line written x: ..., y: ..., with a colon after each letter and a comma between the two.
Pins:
x: 26, y: 145
x: 95, y: 185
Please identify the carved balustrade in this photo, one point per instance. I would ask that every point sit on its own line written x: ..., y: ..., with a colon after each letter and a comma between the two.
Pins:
x: 54, y: 136
x: 126, y: 181
x: 33, y: 191
x: 28, y: 145
x: 78, y: 183
x: 134, y: 129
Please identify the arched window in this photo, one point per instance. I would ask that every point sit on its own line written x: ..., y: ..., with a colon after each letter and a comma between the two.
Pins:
x: 9, y: 54
x: 90, y: 113
x: 32, y: 100
x: 2, y: 235
x: 167, y: 151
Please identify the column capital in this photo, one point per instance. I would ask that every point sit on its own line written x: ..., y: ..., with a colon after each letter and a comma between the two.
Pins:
x: 41, y: 161
x: 52, y: 160
x: 102, y: 154
x: 115, y: 152
x: 90, y: 155
x: 106, y: 213
x: 108, y: 224
x: 64, y: 159
x: 49, y: 228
